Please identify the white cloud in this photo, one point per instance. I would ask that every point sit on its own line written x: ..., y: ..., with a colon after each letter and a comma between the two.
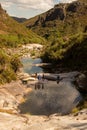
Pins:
x: 37, y: 4
x: 33, y: 4
x: 29, y: 8
x: 66, y: 1
x: 6, y: 4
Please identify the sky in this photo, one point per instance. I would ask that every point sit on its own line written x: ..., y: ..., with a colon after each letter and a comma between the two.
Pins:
x: 29, y: 8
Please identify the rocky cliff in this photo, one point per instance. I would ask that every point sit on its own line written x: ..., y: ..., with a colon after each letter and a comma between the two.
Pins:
x: 65, y: 27
x: 66, y: 19
x: 12, y: 32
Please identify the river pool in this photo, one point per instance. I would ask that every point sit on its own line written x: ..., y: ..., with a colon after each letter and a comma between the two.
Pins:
x: 29, y: 65
x: 54, y: 98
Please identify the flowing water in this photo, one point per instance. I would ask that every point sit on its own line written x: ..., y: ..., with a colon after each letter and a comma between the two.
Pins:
x: 54, y: 98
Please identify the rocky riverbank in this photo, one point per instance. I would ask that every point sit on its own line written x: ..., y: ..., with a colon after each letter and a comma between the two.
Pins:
x: 13, y: 94
x: 53, y: 122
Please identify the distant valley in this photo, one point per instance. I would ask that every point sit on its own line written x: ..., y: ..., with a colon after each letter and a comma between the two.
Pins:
x: 12, y: 36
x: 65, y: 29
x: 62, y: 30
x: 20, y: 20
x: 56, y: 41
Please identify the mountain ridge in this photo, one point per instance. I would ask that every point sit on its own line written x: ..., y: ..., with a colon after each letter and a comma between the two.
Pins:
x: 65, y: 28
x: 20, y: 20
x: 60, y: 15
x: 12, y: 36
x: 11, y: 30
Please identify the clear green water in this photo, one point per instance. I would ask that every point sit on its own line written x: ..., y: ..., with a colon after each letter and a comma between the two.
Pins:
x: 29, y: 65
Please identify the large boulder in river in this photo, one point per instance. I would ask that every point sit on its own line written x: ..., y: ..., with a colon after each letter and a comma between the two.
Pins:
x: 82, y: 83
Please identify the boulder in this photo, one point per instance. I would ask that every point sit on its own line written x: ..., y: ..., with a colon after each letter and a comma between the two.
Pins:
x: 82, y: 83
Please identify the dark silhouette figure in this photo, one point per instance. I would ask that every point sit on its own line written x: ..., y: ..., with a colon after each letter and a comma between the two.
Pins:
x: 40, y: 83
x: 58, y: 78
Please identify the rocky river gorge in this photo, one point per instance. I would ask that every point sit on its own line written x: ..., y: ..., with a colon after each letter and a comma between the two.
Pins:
x: 22, y: 107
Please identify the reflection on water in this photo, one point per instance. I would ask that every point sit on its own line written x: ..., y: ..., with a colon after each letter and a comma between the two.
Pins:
x: 54, y: 98
x: 28, y: 66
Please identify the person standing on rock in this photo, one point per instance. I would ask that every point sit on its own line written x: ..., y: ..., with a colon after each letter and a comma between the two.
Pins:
x: 58, y: 78
x: 38, y: 84
x: 39, y: 77
x: 40, y: 81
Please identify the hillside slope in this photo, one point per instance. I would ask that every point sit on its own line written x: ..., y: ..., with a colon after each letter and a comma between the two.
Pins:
x: 12, y: 36
x: 62, y: 20
x: 20, y: 20
x: 65, y: 27
x: 12, y: 31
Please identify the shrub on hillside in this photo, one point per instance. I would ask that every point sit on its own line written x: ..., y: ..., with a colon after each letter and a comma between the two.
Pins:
x: 9, y: 65
x: 15, y: 63
x: 3, y: 57
x: 8, y: 75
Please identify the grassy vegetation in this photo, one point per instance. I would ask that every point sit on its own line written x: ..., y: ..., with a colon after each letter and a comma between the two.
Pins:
x: 12, y: 36
x: 10, y: 40
x: 75, y: 20
x: 66, y: 52
x: 77, y: 51
x: 67, y: 37
x: 80, y: 107
x: 9, y: 65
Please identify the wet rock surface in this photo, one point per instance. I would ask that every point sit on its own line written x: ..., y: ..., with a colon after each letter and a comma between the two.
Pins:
x: 53, y: 98
x: 53, y: 122
x: 82, y: 83
x: 49, y: 96
x: 11, y: 95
